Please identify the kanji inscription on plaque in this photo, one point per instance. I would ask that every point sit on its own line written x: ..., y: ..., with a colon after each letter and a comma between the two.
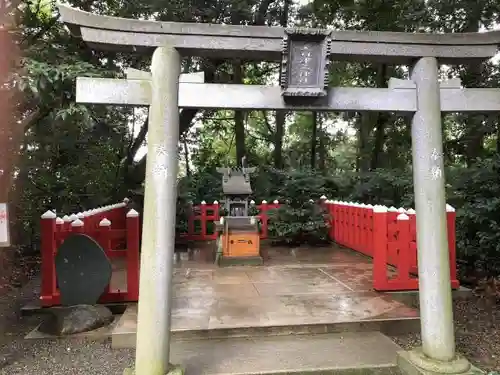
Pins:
x: 304, y: 70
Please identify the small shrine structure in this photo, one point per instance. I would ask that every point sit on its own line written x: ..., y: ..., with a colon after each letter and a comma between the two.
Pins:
x: 238, y: 235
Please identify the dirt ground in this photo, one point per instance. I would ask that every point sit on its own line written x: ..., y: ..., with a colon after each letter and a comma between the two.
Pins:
x: 477, y: 335
x: 477, y: 331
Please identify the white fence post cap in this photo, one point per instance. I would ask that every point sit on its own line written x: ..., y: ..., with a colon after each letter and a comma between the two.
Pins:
x: 380, y: 209
x: 49, y: 215
x: 77, y: 223
x: 105, y: 223
x: 132, y: 213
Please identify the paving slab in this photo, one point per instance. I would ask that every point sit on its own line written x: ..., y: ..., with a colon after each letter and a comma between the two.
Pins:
x: 360, y: 353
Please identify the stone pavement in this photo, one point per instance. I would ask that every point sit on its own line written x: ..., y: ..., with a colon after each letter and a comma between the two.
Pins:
x: 326, y: 288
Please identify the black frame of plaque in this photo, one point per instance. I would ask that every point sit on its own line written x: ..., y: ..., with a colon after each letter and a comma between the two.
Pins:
x: 319, y: 36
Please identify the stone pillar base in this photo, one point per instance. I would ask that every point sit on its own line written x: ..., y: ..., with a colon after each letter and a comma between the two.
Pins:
x: 415, y: 362
x: 174, y: 370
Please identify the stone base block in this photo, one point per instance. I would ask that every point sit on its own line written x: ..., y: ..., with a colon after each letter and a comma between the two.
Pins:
x: 414, y: 362
x: 241, y: 261
x: 174, y: 370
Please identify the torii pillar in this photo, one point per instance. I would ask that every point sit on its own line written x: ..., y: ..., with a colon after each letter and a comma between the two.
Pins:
x: 437, y: 354
x: 158, y: 236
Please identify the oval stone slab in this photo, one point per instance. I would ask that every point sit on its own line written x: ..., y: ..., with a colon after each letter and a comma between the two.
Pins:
x: 83, y: 270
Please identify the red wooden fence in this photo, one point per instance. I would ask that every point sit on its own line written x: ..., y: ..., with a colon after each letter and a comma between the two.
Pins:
x: 205, y: 215
x: 386, y: 235
x: 389, y: 237
x: 115, y: 229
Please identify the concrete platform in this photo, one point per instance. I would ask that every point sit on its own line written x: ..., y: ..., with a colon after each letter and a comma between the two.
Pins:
x: 349, y: 353
x: 325, y: 291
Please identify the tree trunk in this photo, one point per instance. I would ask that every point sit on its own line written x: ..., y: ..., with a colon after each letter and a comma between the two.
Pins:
x: 313, y: 139
x: 186, y: 156
x: 278, y: 139
x: 280, y: 115
x: 364, y: 123
x: 322, y: 149
x: 239, y: 123
x: 381, y: 122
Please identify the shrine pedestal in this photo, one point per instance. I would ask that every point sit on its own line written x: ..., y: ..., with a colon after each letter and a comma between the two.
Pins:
x: 239, y: 242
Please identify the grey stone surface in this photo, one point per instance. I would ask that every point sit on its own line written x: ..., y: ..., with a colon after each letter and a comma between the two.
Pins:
x: 62, y: 321
x: 174, y: 370
x: 286, y: 354
x: 408, y: 367
x: 231, y: 96
x: 83, y: 270
x: 436, y: 314
x: 158, y: 230
x: 207, y: 96
x: 265, y: 43
x: 304, y: 67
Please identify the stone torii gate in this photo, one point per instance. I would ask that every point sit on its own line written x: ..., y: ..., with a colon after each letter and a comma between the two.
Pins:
x: 305, y: 55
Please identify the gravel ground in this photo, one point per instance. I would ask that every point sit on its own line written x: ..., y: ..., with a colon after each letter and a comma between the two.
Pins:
x: 50, y: 357
x: 477, y: 330
x: 477, y: 327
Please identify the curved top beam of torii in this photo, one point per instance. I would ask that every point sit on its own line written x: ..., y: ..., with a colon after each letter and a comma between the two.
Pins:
x: 266, y: 43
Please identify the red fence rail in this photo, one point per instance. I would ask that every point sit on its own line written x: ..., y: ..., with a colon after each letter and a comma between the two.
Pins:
x: 115, y: 229
x: 389, y: 236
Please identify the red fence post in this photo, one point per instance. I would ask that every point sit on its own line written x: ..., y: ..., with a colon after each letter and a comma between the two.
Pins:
x: 216, y: 214
x: 403, y: 256
x: 203, y: 218
x: 263, y: 217
x: 379, y: 247
x: 349, y: 224
x: 451, y: 227
x: 340, y: 221
x: 103, y: 236
x: 133, y: 240
x: 356, y: 207
x: 413, y: 241
x: 77, y: 226
x: 48, y: 248
x: 392, y: 217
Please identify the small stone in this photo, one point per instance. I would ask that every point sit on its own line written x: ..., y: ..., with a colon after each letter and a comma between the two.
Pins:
x: 64, y: 321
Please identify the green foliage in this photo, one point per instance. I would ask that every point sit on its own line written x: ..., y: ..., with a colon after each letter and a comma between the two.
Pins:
x: 478, y: 215
x: 299, y: 220
x: 389, y: 187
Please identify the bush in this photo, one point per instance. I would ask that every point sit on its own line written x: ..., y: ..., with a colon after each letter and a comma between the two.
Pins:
x: 477, y: 201
x: 299, y: 221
